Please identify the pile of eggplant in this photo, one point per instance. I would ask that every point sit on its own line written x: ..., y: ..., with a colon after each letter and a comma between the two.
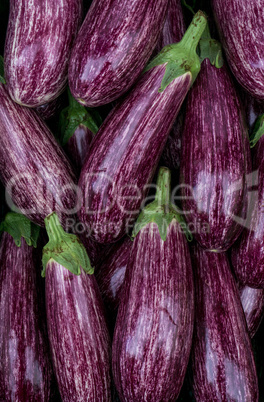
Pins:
x: 132, y: 218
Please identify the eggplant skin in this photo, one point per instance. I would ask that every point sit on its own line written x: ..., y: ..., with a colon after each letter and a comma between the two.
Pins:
x: 247, y: 254
x: 253, y: 305
x: 153, y: 332
x: 78, y: 335
x: 33, y: 168
x: 49, y: 110
x: 240, y: 25
x: 222, y: 361
x: 112, y: 48
x: 25, y: 365
x: 110, y: 274
x: 173, y: 31
x: 215, y: 158
x: 39, y: 38
x: 114, y: 184
x: 79, y: 145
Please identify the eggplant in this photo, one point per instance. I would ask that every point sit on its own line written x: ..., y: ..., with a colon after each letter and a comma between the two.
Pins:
x: 247, y: 254
x: 113, y: 184
x: 39, y: 39
x: 240, y: 26
x: 78, y: 335
x: 112, y: 38
x: 78, y: 127
x: 49, y: 110
x: 215, y: 159
x: 111, y: 273
x: 253, y: 305
x: 222, y: 361
x: 153, y: 332
x: 173, y: 31
x: 33, y: 168
x: 25, y: 365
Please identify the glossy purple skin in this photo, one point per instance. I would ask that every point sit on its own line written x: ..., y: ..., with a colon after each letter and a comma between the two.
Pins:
x: 112, y: 48
x: 33, y: 167
x: 222, y: 361
x: 111, y: 273
x: 240, y: 25
x: 49, y: 110
x: 78, y: 335
x: 253, y: 108
x: 125, y: 153
x: 215, y: 155
x: 153, y: 332
x: 253, y: 305
x: 78, y: 146
x: 25, y: 366
x: 39, y: 39
x: 248, y: 252
x: 173, y: 31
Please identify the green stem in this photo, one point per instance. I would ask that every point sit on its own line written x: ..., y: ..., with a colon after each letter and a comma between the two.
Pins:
x: 72, y: 101
x: 18, y: 226
x: 161, y: 211
x: 64, y: 248
x: 258, y: 131
x: 194, y: 32
x: 163, y: 187
x: 53, y: 227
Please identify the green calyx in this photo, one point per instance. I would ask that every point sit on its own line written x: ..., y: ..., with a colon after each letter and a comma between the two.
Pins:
x: 75, y: 115
x: 258, y: 131
x: 2, y: 70
x: 17, y: 225
x: 181, y: 58
x: 161, y: 211
x: 210, y: 49
x: 64, y: 248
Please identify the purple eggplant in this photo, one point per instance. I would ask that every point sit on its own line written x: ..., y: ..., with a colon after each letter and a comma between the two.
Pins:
x: 153, y: 332
x: 240, y: 25
x: 33, y: 168
x: 173, y: 31
x: 127, y: 147
x: 111, y: 273
x: 25, y: 365
x: 248, y: 252
x: 253, y: 305
x: 113, y: 38
x: 215, y: 158
x: 78, y: 127
x: 39, y: 38
x: 222, y: 361
x: 79, y: 144
x: 48, y: 110
x: 78, y: 335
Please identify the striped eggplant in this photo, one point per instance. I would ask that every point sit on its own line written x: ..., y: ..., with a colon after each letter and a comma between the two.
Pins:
x: 111, y: 273
x: 173, y: 31
x: 253, y: 305
x: 240, y: 26
x: 25, y: 365
x: 215, y: 157
x: 78, y: 127
x: 39, y: 39
x: 33, y: 168
x: 128, y: 145
x: 222, y: 361
x: 78, y: 335
x: 113, y: 38
x: 48, y: 110
x: 153, y: 332
x: 247, y: 254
